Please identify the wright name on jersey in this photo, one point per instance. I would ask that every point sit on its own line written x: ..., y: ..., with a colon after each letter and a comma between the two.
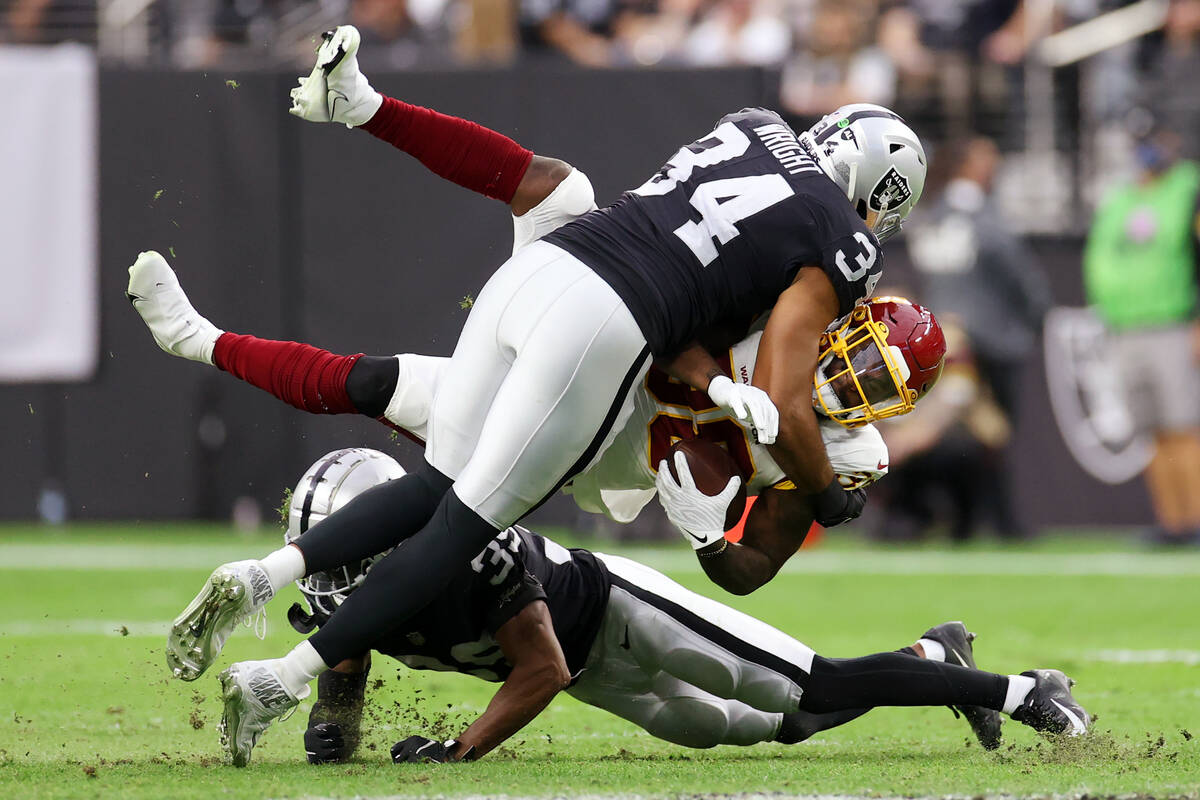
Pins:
x: 721, y: 230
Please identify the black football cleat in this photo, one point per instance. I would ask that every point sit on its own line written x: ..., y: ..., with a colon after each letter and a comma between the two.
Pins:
x: 1049, y: 706
x: 956, y: 639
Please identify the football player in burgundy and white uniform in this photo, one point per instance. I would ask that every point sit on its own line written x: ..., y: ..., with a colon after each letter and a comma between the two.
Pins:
x: 614, y: 634
x: 748, y: 218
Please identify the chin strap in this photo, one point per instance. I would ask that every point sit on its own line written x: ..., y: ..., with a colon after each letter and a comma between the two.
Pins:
x: 301, y: 620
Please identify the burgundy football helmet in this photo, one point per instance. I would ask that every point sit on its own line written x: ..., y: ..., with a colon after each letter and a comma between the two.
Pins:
x: 878, y: 361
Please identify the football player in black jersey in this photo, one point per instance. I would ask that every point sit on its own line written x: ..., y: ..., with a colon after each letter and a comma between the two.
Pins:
x: 747, y: 218
x: 543, y: 195
x: 615, y: 634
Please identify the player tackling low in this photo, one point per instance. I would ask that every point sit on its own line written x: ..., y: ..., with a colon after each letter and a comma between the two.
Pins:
x: 617, y: 635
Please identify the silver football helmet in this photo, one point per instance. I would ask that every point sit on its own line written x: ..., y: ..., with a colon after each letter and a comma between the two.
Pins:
x: 332, y: 482
x: 875, y: 158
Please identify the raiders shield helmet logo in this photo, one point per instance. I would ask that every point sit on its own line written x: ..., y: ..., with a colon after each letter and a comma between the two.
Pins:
x: 891, y: 191
x: 1088, y: 398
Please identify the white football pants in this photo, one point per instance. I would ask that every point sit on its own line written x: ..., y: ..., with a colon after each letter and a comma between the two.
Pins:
x: 538, y: 385
x: 688, y: 669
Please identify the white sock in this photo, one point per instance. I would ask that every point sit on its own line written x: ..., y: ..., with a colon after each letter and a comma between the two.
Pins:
x: 1019, y: 686
x: 283, y: 566
x: 933, y: 650
x: 209, y: 344
x: 298, y: 668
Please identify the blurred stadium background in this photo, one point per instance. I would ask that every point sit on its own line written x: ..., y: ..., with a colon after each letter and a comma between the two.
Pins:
x: 140, y: 124
x: 162, y: 124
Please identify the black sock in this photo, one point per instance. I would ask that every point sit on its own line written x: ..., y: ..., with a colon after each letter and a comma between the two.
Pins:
x: 405, y: 581
x: 800, y: 725
x: 377, y: 519
x: 371, y: 384
x: 894, y: 679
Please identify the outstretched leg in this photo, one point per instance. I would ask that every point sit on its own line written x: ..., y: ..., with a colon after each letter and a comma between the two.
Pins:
x: 664, y: 628
x: 303, y: 376
x: 456, y: 149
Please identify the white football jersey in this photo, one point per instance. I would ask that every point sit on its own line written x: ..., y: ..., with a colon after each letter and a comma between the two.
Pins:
x: 621, y: 483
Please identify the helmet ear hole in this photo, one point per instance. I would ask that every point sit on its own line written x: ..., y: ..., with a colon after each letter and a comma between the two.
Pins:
x: 330, y: 483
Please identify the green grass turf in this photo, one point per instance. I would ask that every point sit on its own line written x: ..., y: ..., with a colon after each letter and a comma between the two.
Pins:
x: 87, y: 709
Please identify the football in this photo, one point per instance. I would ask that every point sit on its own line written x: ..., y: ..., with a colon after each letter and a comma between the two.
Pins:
x: 711, y: 467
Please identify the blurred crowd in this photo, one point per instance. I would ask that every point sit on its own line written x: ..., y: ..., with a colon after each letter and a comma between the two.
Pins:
x: 953, y: 67
x: 954, y: 62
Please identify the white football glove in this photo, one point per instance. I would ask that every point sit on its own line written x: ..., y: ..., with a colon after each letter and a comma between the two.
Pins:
x: 699, y: 517
x: 747, y: 402
x: 335, y: 91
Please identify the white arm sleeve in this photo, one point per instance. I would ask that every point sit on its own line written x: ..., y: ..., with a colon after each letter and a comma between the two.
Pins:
x: 572, y: 198
x: 415, y: 387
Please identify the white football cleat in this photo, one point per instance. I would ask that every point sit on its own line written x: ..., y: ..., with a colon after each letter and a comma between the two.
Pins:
x: 335, y: 91
x: 232, y: 594
x: 176, y: 326
x: 254, y: 697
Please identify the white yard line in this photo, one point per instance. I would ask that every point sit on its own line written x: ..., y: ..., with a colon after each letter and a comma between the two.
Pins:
x: 1189, y: 657
x: 199, y: 558
x: 951, y: 562
x: 84, y: 627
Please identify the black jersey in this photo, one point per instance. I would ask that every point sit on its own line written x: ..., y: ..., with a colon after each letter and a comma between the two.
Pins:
x: 455, y: 632
x: 721, y: 230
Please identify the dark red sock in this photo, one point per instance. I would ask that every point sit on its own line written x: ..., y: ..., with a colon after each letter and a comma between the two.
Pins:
x: 459, y: 150
x: 300, y: 375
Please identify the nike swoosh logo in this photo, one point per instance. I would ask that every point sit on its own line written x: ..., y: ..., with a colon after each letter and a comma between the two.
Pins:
x: 337, y: 59
x: 332, y: 96
x: 961, y: 660
x: 1078, y: 726
x: 881, y: 466
x: 694, y: 536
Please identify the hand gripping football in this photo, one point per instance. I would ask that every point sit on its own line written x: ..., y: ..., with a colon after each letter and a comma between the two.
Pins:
x: 711, y: 467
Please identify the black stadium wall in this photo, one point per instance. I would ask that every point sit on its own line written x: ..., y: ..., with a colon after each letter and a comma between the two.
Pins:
x: 317, y: 233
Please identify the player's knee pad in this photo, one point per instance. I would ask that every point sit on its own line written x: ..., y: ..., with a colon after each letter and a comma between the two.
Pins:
x: 575, y: 195
x: 572, y: 198
x: 719, y: 673
x: 712, y: 670
x: 750, y: 726
x: 691, y: 721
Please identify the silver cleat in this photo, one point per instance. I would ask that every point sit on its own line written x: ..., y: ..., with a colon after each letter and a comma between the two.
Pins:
x: 233, y: 593
x: 254, y: 697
